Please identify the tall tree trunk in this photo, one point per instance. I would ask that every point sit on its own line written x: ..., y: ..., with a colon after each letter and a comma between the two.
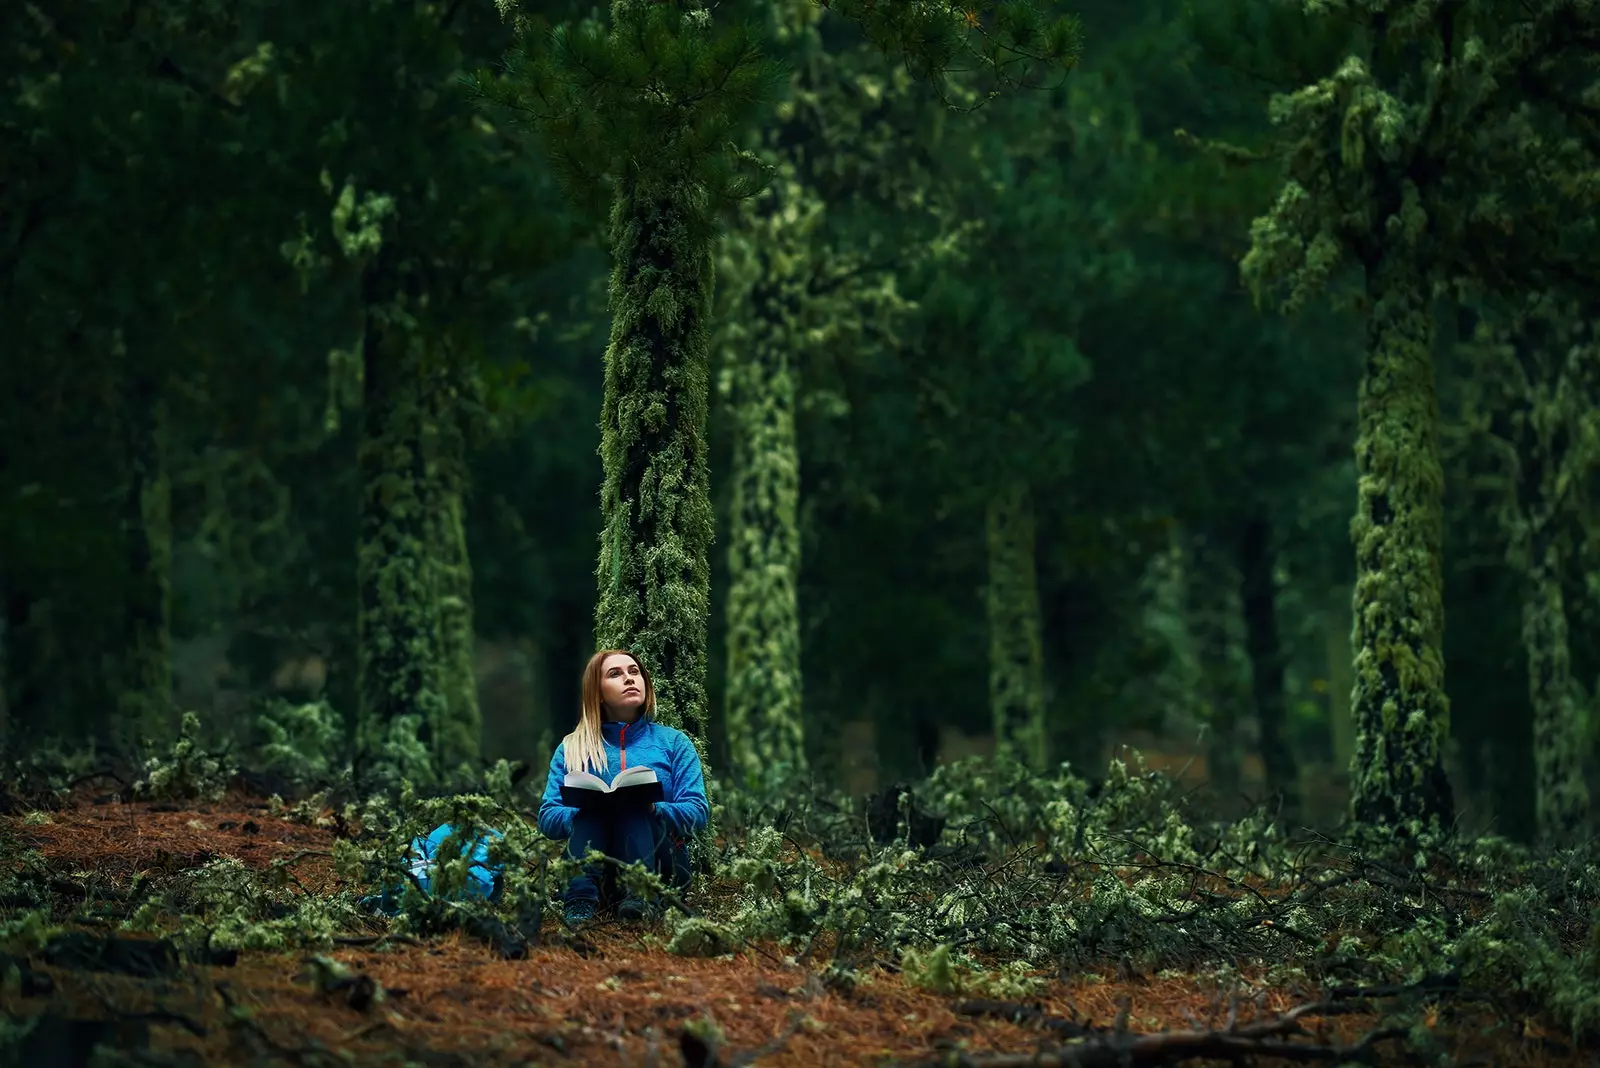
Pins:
x: 1258, y: 597
x: 1016, y: 629
x: 655, y: 499
x: 1552, y: 450
x: 1336, y: 646
x: 1398, y: 782
x: 145, y: 714
x: 399, y: 677
x: 1561, y: 797
x: 458, y: 736
x: 765, y: 730
x: 1211, y: 597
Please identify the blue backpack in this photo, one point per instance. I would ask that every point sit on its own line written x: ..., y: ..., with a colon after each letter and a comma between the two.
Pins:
x: 483, y: 878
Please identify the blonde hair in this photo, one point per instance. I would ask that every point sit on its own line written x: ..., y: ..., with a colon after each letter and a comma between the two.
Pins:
x: 585, y: 748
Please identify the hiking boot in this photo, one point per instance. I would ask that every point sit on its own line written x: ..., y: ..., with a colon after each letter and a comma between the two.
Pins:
x: 577, y: 912
x: 632, y: 909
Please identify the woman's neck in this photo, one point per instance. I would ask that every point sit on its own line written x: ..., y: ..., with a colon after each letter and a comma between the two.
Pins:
x: 608, y: 716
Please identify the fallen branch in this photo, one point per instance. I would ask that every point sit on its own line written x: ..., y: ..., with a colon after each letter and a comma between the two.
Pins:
x: 1119, y: 1049
x: 1026, y: 1015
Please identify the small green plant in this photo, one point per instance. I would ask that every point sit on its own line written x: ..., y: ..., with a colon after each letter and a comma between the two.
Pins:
x: 225, y: 905
x: 52, y: 768
x: 27, y: 933
x: 303, y: 741
x: 944, y: 971
x: 188, y: 773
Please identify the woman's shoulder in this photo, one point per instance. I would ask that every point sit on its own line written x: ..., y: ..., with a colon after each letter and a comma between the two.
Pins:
x: 670, y: 735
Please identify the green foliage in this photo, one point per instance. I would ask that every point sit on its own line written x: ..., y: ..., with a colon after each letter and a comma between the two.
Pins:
x: 661, y: 75
x: 1031, y: 873
x: 945, y: 972
x: 534, y: 866
x: 1014, y: 42
x: 1053, y: 868
x: 187, y: 773
x: 1528, y: 436
x: 13, y: 1038
x: 303, y: 741
x: 225, y: 905
x: 50, y: 766
x: 28, y: 932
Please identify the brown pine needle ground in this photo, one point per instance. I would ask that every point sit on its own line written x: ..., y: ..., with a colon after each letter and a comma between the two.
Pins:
x: 623, y: 1003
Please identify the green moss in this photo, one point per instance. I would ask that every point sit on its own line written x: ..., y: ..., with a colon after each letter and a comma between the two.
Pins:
x: 1016, y: 644
x: 655, y: 498
x: 764, y: 721
x: 187, y: 773
x: 458, y: 733
x: 461, y: 730
x: 399, y: 673
x: 1532, y: 389
x: 1399, y: 705
x: 1561, y: 797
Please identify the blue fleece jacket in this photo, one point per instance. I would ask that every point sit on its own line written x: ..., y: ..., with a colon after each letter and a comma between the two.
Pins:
x: 641, y: 743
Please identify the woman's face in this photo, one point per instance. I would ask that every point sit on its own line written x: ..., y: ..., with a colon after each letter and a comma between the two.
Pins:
x: 622, y: 685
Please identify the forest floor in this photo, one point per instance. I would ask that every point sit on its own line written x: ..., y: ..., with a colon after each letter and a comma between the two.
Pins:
x: 607, y: 999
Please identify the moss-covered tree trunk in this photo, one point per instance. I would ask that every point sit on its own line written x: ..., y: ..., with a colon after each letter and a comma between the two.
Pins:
x: 1336, y: 646
x: 1398, y: 702
x: 1212, y: 602
x: 145, y: 713
x: 766, y: 733
x: 655, y: 499
x: 457, y: 737
x: 1258, y: 598
x: 1016, y: 629
x: 460, y: 735
x: 398, y: 657
x: 1550, y: 426
x: 1561, y: 797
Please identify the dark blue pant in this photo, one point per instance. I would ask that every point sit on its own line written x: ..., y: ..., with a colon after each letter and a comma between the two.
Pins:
x: 626, y: 837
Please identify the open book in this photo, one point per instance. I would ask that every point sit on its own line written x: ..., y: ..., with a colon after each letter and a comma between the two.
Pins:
x: 633, y: 786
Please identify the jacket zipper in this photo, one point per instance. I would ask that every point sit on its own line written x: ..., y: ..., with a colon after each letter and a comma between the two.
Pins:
x: 622, y: 744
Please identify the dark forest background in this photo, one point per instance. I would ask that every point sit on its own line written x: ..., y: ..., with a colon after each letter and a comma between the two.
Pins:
x: 1035, y: 304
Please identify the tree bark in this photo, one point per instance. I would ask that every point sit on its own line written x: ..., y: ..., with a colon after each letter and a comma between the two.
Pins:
x: 1561, y: 796
x: 1016, y: 631
x: 1211, y: 603
x: 655, y: 497
x: 1398, y: 783
x: 766, y: 732
x: 457, y: 738
x: 1258, y: 598
x: 1336, y: 645
x: 1549, y: 444
x: 399, y: 677
x: 145, y: 714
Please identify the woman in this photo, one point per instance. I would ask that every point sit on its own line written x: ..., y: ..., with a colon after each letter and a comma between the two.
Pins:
x: 616, y: 730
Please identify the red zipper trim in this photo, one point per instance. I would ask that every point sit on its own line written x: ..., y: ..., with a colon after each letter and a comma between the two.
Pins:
x: 622, y: 744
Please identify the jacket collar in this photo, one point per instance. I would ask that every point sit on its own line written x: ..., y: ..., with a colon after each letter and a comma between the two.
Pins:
x: 611, y: 730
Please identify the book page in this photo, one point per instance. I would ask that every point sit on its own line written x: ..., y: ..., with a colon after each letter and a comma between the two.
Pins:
x: 585, y: 780
x: 633, y: 777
